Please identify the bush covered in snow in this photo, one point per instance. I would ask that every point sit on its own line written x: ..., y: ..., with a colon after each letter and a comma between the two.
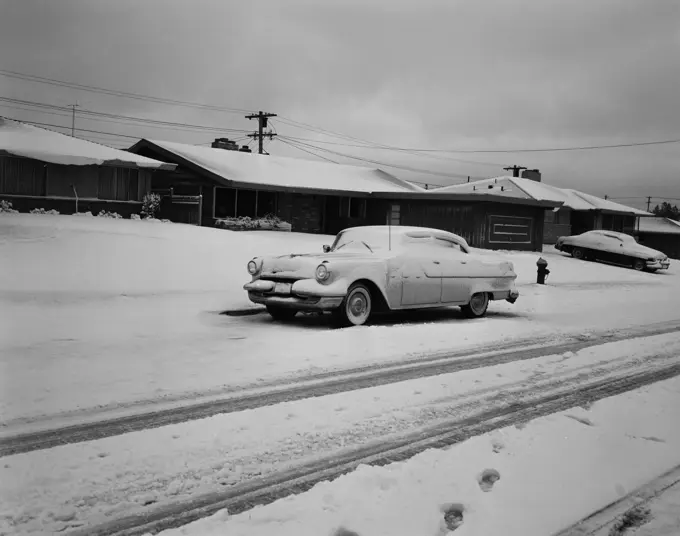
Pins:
x: 84, y: 214
x: 135, y: 217
x: 151, y: 204
x: 106, y: 214
x: 269, y: 222
x: 53, y: 212
x: 6, y: 207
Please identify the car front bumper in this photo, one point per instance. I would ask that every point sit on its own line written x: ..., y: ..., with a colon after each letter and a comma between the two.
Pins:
x: 512, y: 295
x: 299, y: 295
x: 658, y: 265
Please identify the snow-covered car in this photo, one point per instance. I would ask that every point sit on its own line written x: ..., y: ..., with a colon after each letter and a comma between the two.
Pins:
x: 381, y: 268
x: 613, y: 247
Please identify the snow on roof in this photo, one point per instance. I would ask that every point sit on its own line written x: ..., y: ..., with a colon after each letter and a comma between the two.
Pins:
x: 609, y: 206
x: 20, y: 139
x: 521, y: 188
x: 268, y: 170
x: 506, y: 186
x: 659, y: 225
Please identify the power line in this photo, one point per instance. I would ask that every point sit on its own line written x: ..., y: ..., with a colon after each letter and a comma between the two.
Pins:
x: 122, y: 119
x: 81, y: 129
x: 117, y: 93
x: 308, y: 152
x: 385, y: 164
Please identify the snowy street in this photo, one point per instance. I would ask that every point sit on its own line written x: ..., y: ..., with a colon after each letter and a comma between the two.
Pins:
x: 128, y: 396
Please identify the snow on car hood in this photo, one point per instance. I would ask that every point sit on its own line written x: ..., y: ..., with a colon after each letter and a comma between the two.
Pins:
x: 303, y: 265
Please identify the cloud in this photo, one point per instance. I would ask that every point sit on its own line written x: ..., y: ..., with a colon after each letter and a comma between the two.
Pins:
x: 432, y: 73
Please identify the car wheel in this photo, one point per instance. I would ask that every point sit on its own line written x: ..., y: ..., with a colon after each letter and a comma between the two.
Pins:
x: 281, y: 313
x: 639, y: 265
x: 356, y: 308
x: 578, y: 253
x: 478, y: 305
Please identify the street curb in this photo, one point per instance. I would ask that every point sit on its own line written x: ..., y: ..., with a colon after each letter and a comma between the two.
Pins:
x: 599, y: 522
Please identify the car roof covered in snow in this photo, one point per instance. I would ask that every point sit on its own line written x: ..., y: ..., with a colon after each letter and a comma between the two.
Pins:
x: 407, y: 230
x: 521, y: 188
x: 241, y: 169
x: 20, y: 139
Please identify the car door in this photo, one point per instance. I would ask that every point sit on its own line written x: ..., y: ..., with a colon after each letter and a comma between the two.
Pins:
x: 612, y: 248
x: 458, y: 273
x: 421, y: 278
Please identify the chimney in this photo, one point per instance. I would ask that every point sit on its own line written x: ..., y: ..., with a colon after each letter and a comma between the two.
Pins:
x: 224, y: 143
x: 532, y: 175
x: 245, y: 149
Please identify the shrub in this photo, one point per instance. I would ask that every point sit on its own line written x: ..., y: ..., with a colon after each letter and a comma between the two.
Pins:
x: 43, y: 211
x: 105, y: 214
x: 6, y: 207
x: 151, y: 204
x: 246, y: 223
x: 135, y: 217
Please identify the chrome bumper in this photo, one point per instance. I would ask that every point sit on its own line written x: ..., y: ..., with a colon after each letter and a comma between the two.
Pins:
x: 265, y: 293
x: 512, y: 296
x: 658, y: 265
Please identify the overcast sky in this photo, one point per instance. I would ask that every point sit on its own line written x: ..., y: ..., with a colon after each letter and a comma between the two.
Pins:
x: 439, y: 74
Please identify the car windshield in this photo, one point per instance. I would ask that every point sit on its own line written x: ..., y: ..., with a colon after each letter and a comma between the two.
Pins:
x: 364, y: 239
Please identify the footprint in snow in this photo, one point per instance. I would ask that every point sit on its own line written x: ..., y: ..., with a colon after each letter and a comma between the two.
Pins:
x: 453, y: 515
x: 342, y: 531
x: 487, y: 479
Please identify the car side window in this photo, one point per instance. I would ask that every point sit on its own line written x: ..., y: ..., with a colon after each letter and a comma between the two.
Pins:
x: 449, y: 244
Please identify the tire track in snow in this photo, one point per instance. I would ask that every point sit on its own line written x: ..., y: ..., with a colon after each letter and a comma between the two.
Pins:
x: 270, y: 488
x: 326, y: 384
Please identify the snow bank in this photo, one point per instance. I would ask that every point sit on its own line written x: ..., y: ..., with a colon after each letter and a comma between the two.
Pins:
x: 553, y: 472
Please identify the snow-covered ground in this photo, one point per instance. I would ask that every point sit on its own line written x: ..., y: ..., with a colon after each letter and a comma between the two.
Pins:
x: 553, y: 471
x: 100, y: 314
x: 97, y: 313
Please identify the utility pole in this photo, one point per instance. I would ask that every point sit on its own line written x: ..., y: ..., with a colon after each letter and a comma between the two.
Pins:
x: 605, y: 197
x: 261, y: 125
x: 73, y: 118
x: 649, y: 200
x: 515, y: 170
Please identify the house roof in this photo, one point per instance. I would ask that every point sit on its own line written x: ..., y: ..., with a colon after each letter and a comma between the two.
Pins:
x: 20, y: 139
x: 234, y: 168
x: 659, y: 225
x: 519, y: 188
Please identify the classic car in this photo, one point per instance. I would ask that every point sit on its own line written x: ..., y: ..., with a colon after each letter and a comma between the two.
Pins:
x: 613, y: 247
x: 379, y: 269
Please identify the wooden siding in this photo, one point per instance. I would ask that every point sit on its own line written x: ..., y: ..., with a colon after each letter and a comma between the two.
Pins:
x: 23, y: 176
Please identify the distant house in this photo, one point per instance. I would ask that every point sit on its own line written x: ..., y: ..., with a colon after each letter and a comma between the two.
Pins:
x: 578, y: 212
x: 320, y: 197
x: 660, y: 233
x: 41, y: 168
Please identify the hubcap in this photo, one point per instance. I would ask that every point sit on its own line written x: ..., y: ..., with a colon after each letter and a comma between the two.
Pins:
x: 477, y: 303
x: 357, y: 305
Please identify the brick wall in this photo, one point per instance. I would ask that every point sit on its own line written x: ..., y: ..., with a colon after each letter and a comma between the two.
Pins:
x: 551, y: 232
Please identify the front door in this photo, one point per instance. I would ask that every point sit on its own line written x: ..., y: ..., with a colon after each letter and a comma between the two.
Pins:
x: 421, y: 282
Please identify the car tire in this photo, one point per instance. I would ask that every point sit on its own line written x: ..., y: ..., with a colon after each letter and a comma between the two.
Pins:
x: 639, y: 265
x: 578, y: 253
x: 356, y: 308
x: 281, y: 313
x: 479, y: 303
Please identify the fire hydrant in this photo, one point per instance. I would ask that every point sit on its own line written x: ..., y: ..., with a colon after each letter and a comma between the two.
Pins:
x: 542, y: 272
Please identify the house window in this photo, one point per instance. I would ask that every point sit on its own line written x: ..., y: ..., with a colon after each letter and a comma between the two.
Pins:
x: 246, y: 203
x: 266, y: 203
x: 232, y: 202
x: 357, y: 208
x: 550, y: 216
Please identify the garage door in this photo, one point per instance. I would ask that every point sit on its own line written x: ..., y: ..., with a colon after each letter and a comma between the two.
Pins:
x: 510, y: 230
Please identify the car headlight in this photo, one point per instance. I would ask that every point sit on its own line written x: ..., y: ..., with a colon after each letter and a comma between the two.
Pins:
x: 253, y: 268
x: 322, y: 272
